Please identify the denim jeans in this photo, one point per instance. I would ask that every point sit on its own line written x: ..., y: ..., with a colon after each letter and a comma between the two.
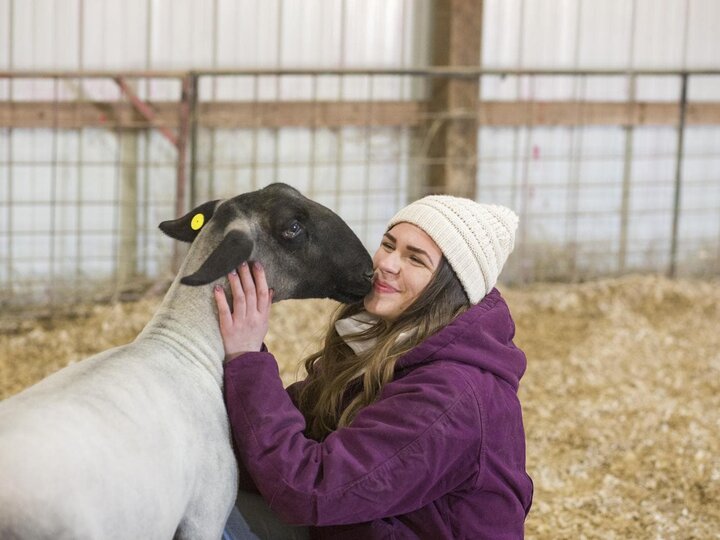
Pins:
x: 252, y: 519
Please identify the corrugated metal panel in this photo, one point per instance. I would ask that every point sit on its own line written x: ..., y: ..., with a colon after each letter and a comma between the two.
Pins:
x: 660, y: 34
x: 137, y: 34
x: 181, y: 34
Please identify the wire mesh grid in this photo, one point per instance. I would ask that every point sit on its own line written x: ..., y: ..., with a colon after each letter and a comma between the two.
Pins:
x: 91, y: 163
x: 79, y: 199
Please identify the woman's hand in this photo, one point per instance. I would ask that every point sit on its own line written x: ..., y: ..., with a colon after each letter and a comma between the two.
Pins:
x: 244, y: 329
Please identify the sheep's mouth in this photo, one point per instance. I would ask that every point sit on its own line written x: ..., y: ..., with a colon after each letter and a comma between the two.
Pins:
x: 350, y: 297
x: 356, y: 290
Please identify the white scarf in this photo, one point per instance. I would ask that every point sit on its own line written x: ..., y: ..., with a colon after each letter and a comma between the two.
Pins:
x: 359, y: 323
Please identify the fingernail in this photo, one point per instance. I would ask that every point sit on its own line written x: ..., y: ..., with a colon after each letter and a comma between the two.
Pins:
x: 234, y: 272
x: 244, y: 263
x: 218, y: 288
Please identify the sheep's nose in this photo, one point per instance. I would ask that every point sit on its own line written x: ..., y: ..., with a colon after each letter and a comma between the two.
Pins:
x: 369, y: 275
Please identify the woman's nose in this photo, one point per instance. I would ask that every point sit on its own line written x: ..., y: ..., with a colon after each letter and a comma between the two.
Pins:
x: 389, y: 263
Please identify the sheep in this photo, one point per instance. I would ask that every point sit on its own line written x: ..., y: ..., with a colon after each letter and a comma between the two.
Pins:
x: 134, y: 442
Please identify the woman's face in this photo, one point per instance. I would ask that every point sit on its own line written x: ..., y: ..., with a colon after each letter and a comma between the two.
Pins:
x: 404, y: 264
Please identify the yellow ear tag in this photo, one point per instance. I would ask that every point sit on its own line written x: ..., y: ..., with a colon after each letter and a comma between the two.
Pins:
x: 197, y: 221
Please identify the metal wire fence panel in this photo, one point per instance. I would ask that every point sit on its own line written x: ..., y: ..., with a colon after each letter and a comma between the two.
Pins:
x: 84, y: 217
x: 361, y: 175
x: 610, y: 172
x: 81, y: 196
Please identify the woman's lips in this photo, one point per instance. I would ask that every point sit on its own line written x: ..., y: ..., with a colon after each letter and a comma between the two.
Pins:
x: 381, y: 287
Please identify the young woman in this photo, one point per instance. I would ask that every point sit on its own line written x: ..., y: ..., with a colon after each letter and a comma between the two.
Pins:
x: 408, y: 424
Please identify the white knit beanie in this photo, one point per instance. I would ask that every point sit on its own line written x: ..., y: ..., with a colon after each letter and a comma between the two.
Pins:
x: 475, y: 238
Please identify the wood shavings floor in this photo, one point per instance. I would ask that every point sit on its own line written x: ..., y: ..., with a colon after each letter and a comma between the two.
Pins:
x: 621, y: 397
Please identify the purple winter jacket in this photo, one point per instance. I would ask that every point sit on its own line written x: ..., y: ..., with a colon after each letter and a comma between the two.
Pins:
x: 440, y: 454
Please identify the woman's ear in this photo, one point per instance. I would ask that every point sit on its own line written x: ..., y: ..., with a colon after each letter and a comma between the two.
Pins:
x: 189, y: 226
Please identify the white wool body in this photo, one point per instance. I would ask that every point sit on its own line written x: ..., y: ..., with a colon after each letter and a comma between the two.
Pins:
x: 127, y: 443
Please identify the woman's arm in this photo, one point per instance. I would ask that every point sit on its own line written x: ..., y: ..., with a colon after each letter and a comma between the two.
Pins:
x: 246, y: 483
x: 420, y: 440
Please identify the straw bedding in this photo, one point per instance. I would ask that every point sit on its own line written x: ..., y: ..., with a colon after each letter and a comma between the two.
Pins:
x: 621, y: 397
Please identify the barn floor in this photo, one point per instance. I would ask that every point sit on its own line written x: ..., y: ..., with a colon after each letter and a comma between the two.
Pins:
x: 621, y: 397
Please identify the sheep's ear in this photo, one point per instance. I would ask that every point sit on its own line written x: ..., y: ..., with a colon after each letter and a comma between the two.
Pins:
x: 189, y: 226
x: 235, y: 248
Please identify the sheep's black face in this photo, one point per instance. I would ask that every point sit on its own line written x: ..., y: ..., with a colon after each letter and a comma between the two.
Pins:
x: 307, y: 250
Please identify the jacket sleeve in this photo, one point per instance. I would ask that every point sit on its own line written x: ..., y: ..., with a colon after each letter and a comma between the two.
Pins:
x: 420, y: 440
x: 245, y: 481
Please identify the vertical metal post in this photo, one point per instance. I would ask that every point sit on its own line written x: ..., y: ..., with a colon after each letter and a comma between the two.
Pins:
x: 79, y: 159
x: 339, y: 131
x: 368, y: 160
x: 629, y: 139
x: 146, y: 145
x: 313, y: 138
x: 527, y: 259
x: 518, y: 171
x: 53, y: 195
x: 182, y: 139
x: 254, y: 152
x: 193, y: 104
x: 678, y: 175
x: 128, y: 211
x: 278, y: 91
x: 572, y: 216
x: 182, y: 142
x: 212, y: 138
x: 9, y: 159
x: 626, y: 181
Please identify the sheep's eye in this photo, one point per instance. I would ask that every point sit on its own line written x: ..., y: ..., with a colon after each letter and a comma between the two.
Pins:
x: 292, y: 231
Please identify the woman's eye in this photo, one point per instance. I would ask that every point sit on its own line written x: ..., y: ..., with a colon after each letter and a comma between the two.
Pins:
x: 416, y: 260
x: 386, y: 245
x: 292, y: 231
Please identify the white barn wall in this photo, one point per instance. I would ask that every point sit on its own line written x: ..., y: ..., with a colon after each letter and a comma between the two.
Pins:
x: 579, y: 171
x: 134, y: 35
x: 569, y: 170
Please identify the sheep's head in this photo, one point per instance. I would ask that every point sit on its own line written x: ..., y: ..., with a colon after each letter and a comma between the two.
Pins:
x: 307, y: 250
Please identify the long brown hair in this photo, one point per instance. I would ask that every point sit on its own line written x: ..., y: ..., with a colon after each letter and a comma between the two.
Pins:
x: 335, y: 368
